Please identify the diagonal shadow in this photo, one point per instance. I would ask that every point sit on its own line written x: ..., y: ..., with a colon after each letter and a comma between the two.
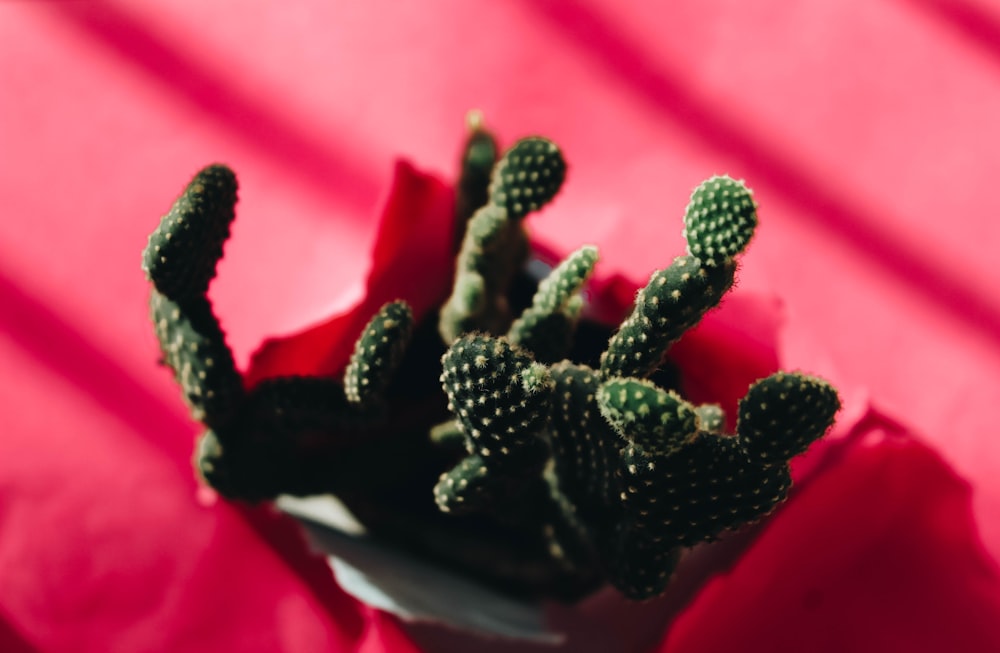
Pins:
x: 53, y: 343
x: 11, y: 641
x: 654, y: 84
x: 277, y: 137
x: 972, y: 23
x: 47, y: 337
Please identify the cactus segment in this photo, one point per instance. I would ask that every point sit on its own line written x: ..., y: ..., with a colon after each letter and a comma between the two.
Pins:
x: 377, y: 352
x: 195, y: 348
x: 720, y: 219
x: 711, y: 418
x: 782, y: 414
x: 674, y: 300
x: 500, y: 396
x: 658, y: 421
x: 527, y: 177
x: 546, y: 327
x: 182, y: 253
x: 479, y: 156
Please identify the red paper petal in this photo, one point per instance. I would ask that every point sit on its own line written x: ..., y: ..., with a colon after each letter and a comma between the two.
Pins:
x: 411, y: 261
x: 879, y: 552
x: 103, y: 545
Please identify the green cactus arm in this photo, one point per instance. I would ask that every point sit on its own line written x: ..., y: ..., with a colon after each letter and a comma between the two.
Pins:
x: 720, y: 219
x: 181, y: 255
x: 527, y: 177
x: 782, y: 414
x: 377, y: 352
x: 719, y: 222
x: 657, y: 420
x: 496, y: 246
x: 565, y: 280
x: 674, y: 300
x: 194, y: 347
x: 479, y: 156
x: 546, y: 327
x: 493, y: 250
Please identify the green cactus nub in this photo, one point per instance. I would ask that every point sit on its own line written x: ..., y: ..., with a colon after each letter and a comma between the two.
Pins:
x: 195, y: 348
x: 546, y: 327
x: 181, y: 255
x: 674, y: 300
x: 781, y: 415
x: 378, y: 352
x: 720, y: 219
x: 711, y: 418
x: 447, y: 435
x: 658, y: 421
x: 527, y: 177
x: 469, y: 487
x: 565, y: 280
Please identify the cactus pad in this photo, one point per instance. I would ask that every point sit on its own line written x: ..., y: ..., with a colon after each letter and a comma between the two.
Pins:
x: 720, y: 219
x: 527, y: 177
x: 183, y: 251
x: 377, y: 352
x: 783, y: 414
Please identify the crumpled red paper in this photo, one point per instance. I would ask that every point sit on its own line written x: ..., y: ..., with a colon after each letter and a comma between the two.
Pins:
x: 866, y: 131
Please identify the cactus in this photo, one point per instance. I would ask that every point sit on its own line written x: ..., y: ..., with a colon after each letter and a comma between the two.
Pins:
x: 720, y: 219
x: 479, y: 155
x: 642, y: 472
x: 536, y: 470
x: 527, y: 177
x: 496, y: 245
x: 546, y: 327
x: 255, y: 441
x: 378, y: 353
x: 182, y: 253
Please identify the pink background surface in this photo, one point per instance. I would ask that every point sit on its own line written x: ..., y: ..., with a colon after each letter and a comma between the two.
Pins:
x: 867, y: 129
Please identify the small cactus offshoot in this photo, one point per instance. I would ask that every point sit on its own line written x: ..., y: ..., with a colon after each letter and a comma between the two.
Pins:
x: 539, y: 473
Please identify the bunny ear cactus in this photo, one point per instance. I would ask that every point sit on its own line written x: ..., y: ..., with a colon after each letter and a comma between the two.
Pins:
x: 479, y: 155
x: 546, y: 327
x: 532, y: 470
x: 256, y: 439
x: 718, y: 225
x: 180, y: 261
x: 496, y: 245
x: 643, y: 472
x: 182, y: 253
